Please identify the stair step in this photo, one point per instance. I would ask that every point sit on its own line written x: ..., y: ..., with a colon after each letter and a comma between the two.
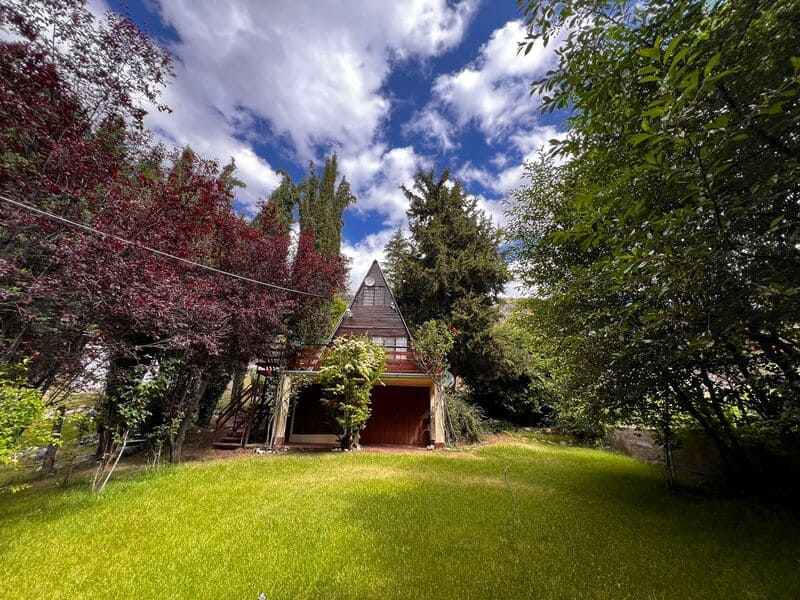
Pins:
x: 227, y: 445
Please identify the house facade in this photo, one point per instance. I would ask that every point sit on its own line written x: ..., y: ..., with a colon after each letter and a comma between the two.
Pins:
x: 406, y: 409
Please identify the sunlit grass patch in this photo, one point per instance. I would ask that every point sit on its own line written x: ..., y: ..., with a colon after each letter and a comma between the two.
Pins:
x: 552, y: 522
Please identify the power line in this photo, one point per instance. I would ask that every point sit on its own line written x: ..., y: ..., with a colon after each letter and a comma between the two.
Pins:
x: 54, y: 217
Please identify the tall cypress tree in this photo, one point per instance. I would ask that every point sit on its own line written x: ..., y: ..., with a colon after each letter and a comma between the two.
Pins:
x: 450, y: 269
x: 284, y: 199
x: 322, y: 204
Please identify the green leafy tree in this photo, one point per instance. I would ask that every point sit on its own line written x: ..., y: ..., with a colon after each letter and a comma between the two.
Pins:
x: 464, y: 422
x: 519, y: 390
x: 284, y: 199
x: 450, y: 269
x: 350, y: 368
x: 20, y: 407
x: 433, y: 341
x: 665, y: 241
x: 322, y: 203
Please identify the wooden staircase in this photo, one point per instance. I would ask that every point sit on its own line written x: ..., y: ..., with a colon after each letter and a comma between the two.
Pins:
x: 246, y: 419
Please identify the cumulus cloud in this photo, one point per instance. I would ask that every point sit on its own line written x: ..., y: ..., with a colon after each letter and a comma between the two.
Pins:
x: 492, y: 95
x: 363, y: 252
x: 313, y: 70
x: 309, y: 73
x: 508, y: 175
x: 493, y: 91
x: 376, y: 174
x: 434, y: 127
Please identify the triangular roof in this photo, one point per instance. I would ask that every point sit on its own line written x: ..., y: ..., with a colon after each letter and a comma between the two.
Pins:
x: 379, y: 318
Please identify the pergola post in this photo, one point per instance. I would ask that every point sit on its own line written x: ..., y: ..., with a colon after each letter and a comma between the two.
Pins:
x: 282, y: 409
x: 437, y: 417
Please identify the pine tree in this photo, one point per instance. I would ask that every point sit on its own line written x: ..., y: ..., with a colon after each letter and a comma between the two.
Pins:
x: 450, y: 269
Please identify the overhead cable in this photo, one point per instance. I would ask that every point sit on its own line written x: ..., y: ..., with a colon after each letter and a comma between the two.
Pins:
x: 84, y: 227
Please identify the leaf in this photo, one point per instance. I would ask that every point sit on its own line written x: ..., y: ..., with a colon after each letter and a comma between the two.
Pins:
x: 654, y: 53
x: 638, y: 138
x: 720, y: 122
x: 673, y: 46
x: 773, y: 225
x: 774, y: 108
x: 713, y: 62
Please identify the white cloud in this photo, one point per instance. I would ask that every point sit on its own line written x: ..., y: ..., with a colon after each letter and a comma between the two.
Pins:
x: 493, y: 209
x: 314, y: 70
x: 362, y: 253
x: 433, y: 126
x: 307, y: 72
x: 376, y: 174
x: 528, y: 143
x: 493, y: 91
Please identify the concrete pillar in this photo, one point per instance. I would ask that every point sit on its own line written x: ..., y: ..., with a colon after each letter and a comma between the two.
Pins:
x: 282, y: 410
x: 437, y: 418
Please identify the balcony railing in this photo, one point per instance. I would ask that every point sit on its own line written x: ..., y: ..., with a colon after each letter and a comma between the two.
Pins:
x: 398, y: 360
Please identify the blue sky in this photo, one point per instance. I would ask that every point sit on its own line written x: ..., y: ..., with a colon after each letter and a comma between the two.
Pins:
x: 390, y: 86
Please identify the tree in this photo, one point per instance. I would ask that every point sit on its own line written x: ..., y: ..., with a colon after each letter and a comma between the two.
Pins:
x: 20, y: 407
x: 666, y: 244
x: 450, y: 269
x: 519, y: 390
x: 73, y: 144
x: 322, y: 203
x: 350, y: 368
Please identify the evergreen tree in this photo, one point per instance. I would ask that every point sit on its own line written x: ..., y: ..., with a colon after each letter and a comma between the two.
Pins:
x: 322, y: 204
x: 283, y: 199
x: 451, y: 268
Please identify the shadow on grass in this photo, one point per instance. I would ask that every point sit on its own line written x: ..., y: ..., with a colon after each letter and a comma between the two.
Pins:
x: 517, y: 527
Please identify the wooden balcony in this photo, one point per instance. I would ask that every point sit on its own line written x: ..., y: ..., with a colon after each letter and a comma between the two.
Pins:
x: 398, y: 360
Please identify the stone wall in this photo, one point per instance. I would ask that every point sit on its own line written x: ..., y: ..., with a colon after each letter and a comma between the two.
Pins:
x: 697, y: 458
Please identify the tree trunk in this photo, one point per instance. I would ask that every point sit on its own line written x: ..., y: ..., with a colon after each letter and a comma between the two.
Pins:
x: 121, y: 375
x: 50, y: 456
x: 217, y: 383
x: 176, y: 442
x: 239, y: 374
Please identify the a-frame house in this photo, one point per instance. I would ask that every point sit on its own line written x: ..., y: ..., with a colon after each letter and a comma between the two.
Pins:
x: 406, y: 409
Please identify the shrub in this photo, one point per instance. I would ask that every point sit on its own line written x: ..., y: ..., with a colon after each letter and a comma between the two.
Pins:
x: 20, y: 407
x: 466, y: 419
x: 349, y: 370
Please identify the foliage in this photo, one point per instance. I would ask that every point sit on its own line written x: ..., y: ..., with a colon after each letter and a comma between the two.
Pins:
x: 337, y: 307
x: 433, y: 341
x: 520, y: 389
x: 20, y: 407
x: 450, y: 269
x: 130, y: 410
x: 467, y: 421
x: 73, y: 144
x: 532, y: 510
x: 666, y: 239
x: 322, y: 202
x: 350, y: 368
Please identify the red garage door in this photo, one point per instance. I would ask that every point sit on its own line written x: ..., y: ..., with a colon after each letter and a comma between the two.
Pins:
x: 400, y: 415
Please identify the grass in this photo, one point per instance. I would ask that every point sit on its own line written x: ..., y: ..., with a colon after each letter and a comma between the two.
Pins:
x: 521, y: 519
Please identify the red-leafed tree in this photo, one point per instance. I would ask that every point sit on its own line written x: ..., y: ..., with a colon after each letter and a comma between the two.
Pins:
x: 73, y: 144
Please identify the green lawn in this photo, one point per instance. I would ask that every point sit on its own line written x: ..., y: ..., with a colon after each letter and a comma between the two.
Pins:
x: 516, y: 520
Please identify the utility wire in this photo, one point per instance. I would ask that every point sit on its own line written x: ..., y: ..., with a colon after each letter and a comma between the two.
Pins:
x: 54, y: 217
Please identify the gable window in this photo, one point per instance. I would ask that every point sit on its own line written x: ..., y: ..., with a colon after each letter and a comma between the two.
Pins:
x: 372, y: 296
